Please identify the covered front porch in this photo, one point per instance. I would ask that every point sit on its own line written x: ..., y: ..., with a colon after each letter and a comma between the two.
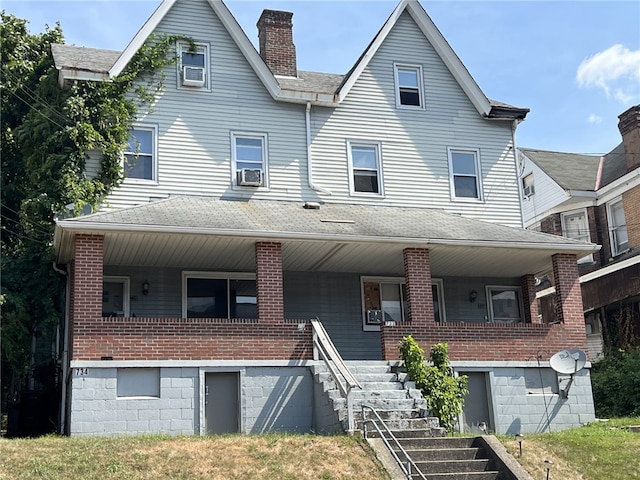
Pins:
x: 241, y: 281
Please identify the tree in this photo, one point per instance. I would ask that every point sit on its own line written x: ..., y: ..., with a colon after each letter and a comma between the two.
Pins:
x: 443, y: 392
x: 45, y: 135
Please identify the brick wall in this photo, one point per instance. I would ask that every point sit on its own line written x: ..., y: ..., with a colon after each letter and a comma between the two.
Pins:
x: 487, y: 341
x: 569, y: 309
x: 269, y: 282
x: 86, y: 282
x: 190, y: 339
x: 529, y: 301
x: 551, y: 224
x: 417, y: 271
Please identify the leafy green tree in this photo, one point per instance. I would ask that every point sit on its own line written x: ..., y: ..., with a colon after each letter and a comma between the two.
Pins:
x: 45, y: 135
x: 443, y: 392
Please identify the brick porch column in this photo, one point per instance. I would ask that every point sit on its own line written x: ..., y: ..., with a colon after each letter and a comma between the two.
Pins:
x: 86, y: 283
x: 417, y: 272
x: 569, y: 308
x: 269, y: 282
x: 529, y: 301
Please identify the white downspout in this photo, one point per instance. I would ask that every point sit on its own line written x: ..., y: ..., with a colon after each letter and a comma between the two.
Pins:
x: 519, y: 170
x: 307, y: 119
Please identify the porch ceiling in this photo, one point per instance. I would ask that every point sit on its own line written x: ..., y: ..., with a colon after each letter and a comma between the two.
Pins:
x: 213, y: 234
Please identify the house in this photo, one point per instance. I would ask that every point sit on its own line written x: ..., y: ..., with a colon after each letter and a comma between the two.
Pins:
x: 594, y: 199
x: 383, y: 202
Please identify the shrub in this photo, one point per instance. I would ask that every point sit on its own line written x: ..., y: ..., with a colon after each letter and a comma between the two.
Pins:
x: 443, y: 392
x: 616, y: 383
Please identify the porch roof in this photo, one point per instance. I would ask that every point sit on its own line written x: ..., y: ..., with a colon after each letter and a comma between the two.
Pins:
x: 208, y: 232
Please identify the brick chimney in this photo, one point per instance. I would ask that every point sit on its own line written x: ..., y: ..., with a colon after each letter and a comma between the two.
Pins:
x: 275, y: 32
x: 629, y: 126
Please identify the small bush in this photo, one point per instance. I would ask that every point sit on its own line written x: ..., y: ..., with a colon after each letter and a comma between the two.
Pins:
x: 443, y: 392
x: 616, y: 383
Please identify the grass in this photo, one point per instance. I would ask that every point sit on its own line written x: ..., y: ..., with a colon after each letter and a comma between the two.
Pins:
x: 276, y: 456
x: 601, y: 450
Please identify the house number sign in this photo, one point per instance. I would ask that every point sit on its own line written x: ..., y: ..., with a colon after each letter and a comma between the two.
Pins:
x: 81, y: 372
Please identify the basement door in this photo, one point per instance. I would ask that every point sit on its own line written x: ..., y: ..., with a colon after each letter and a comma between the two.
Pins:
x: 476, y: 414
x: 221, y: 402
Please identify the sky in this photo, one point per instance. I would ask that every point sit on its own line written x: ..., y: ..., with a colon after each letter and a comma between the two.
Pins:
x: 574, y: 63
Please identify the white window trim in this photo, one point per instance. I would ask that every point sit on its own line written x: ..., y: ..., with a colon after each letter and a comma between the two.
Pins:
x: 207, y: 68
x: 478, y: 176
x: 126, y: 290
x: 589, y: 258
x: 154, y: 156
x: 265, y: 160
x: 378, y: 147
x: 518, y: 290
x: 400, y: 281
x: 214, y: 276
x: 418, y: 69
x: 614, y: 246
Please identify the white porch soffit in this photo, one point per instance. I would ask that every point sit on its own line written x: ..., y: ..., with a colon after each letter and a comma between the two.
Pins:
x: 209, y: 232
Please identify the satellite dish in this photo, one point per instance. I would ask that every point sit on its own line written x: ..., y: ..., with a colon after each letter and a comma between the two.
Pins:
x: 568, y: 362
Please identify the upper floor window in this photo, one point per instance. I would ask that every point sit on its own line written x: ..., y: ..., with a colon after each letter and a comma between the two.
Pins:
x: 249, y: 152
x: 208, y: 295
x: 575, y: 225
x: 504, y: 304
x: 384, y: 299
x: 528, y: 187
x: 464, y: 171
x: 365, y: 167
x: 193, y: 65
x: 140, y: 155
x: 409, y: 92
x: 617, y: 227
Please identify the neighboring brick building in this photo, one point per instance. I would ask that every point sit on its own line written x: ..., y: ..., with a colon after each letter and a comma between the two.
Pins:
x: 595, y: 199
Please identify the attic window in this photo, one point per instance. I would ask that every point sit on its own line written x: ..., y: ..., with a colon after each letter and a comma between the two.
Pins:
x: 193, y: 66
x: 528, y: 188
x: 409, y: 86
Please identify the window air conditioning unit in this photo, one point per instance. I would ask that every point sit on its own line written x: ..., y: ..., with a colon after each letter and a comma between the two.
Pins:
x: 529, y: 190
x: 374, y: 317
x: 250, y: 177
x: 192, y: 76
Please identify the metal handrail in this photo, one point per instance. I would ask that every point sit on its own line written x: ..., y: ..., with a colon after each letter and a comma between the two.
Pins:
x: 410, y: 463
x: 325, y: 350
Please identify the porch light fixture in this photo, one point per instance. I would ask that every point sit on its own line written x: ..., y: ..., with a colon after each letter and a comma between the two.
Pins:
x: 145, y: 288
x: 473, y: 295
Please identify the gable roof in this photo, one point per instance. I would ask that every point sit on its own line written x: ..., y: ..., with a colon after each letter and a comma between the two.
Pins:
x: 318, y: 88
x: 574, y: 171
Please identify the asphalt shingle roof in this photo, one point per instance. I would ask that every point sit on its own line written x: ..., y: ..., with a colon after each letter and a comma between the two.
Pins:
x: 83, y: 58
x: 291, y: 219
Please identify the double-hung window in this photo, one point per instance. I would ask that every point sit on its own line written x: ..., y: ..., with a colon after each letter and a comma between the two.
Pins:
x: 365, y: 168
x: 464, y: 174
x: 208, y: 295
x: 140, y: 155
x: 528, y: 188
x: 249, y: 154
x: 193, y: 66
x: 617, y: 227
x: 384, y: 299
x: 576, y: 226
x: 409, y: 91
x: 505, y: 304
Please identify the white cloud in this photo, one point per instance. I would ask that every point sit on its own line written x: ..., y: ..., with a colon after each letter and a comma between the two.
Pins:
x: 595, y: 119
x: 615, y: 70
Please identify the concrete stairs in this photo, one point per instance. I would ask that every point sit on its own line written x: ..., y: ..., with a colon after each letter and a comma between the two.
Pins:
x: 393, y: 396
x: 450, y: 458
